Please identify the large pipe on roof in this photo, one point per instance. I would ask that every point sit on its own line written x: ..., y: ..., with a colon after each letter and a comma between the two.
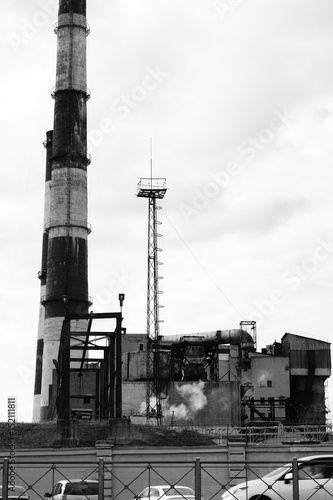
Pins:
x: 232, y: 337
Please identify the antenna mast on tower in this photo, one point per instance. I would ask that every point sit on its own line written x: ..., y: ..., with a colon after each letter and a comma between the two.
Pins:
x: 153, y: 188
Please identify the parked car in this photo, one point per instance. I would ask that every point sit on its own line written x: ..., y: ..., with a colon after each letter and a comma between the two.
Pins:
x: 166, y: 492
x: 315, y: 474
x: 74, y: 489
x: 15, y: 492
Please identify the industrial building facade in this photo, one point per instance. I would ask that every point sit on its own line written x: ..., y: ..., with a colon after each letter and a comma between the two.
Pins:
x: 205, y: 382
x: 212, y: 379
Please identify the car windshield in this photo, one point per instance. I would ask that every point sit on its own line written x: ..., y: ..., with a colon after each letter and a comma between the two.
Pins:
x: 81, y: 489
x: 181, y: 490
x: 278, y: 471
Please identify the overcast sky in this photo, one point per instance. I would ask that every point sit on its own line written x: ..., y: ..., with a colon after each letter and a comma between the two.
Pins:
x: 237, y: 97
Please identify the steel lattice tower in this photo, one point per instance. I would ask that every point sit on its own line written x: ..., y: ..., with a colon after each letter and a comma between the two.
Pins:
x: 153, y: 189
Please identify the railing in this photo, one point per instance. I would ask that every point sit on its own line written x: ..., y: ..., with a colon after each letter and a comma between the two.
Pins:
x: 279, y: 434
x: 36, y: 478
x: 70, y: 23
x: 152, y: 186
x: 122, y: 480
x: 79, y: 88
x: 152, y: 183
x: 86, y: 157
x: 65, y: 299
x: 68, y: 223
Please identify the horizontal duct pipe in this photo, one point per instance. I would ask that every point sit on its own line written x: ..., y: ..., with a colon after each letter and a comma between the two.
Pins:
x: 232, y: 337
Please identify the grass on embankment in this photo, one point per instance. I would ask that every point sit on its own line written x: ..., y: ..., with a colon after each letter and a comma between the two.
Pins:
x: 45, y: 435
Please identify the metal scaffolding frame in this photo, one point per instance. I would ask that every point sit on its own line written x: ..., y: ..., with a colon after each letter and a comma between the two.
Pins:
x: 251, y: 328
x: 74, y: 356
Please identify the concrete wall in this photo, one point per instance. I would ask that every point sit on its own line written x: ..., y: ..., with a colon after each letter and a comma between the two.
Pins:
x: 134, y: 366
x: 132, y: 342
x: 38, y: 467
x: 269, y: 376
x: 228, y: 362
x: 134, y: 398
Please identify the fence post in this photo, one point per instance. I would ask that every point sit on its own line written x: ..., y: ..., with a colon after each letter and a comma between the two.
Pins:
x: 104, y: 450
x: 5, y: 479
x: 295, y: 480
x: 197, y: 479
x: 100, y: 478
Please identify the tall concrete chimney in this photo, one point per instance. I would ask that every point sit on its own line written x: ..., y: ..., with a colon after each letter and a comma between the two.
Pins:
x: 64, y: 271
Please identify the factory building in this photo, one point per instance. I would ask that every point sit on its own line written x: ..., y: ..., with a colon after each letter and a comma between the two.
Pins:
x: 213, y: 379
x: 219, y: 379
x: 310, y: 367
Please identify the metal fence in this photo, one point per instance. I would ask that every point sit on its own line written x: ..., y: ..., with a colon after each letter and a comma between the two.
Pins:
x: 267, y: 434
x: 38, y: 478
x: 120, y: 480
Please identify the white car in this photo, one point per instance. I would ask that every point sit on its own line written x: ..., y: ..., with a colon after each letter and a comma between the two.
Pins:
x: 315, y: 480
x: 166, y: 492
x: 74, y: 489
x: 16, y: 492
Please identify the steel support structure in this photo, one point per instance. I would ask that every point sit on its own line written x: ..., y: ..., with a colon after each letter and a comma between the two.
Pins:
x: 153, y: 189
x: 251, y: 328
x: 90, y: 343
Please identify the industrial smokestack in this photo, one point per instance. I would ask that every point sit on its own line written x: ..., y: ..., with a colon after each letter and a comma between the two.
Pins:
x: 42, y: 277
x: 64, y: 272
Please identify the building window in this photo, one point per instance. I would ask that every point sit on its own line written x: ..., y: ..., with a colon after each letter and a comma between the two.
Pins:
x: 269, y: 383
